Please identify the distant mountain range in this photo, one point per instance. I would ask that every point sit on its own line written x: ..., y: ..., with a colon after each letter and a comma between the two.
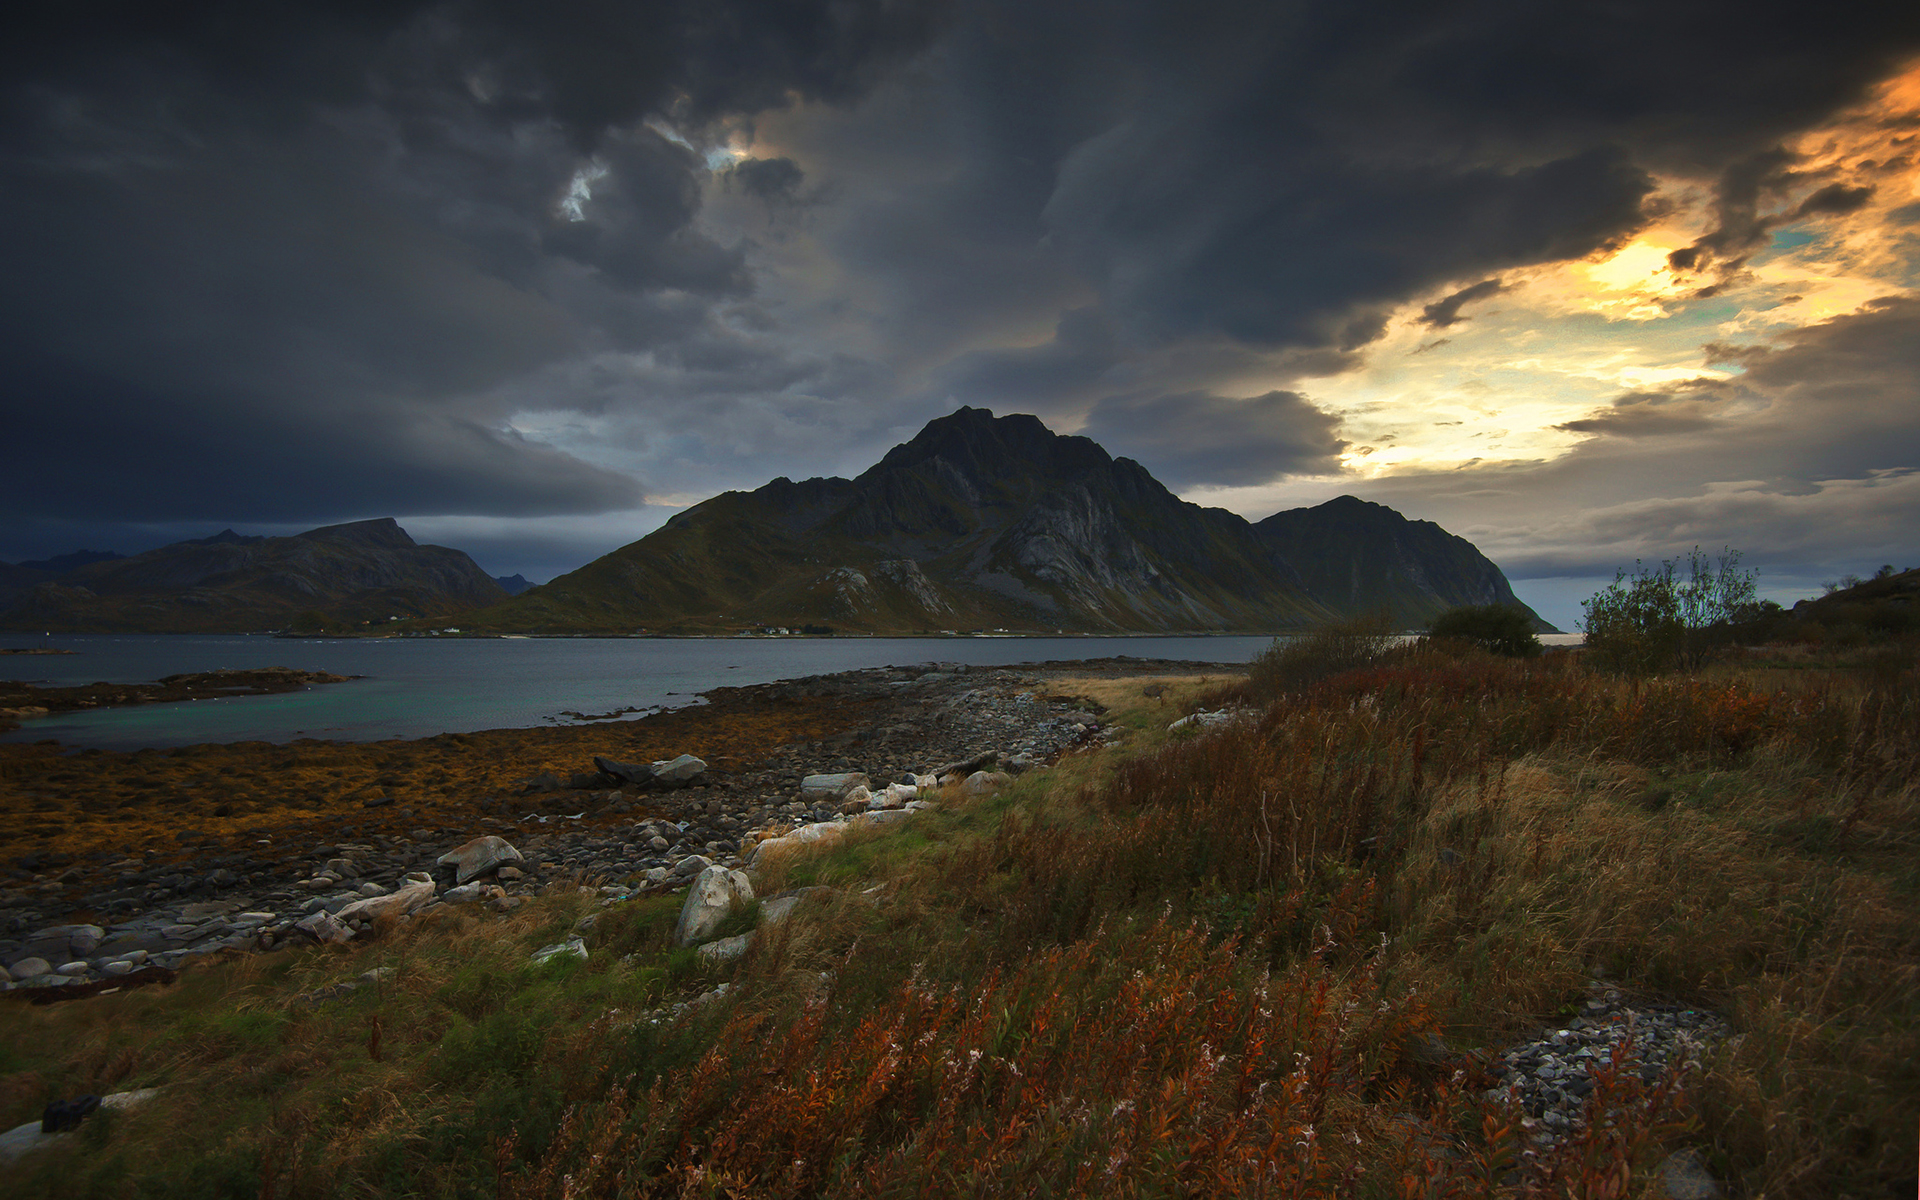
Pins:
x: 980, y: 523
x: 997, y: 523
x: 334, y: 578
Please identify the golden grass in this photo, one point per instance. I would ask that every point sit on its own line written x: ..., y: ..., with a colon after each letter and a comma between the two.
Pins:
x: 1194, y: 966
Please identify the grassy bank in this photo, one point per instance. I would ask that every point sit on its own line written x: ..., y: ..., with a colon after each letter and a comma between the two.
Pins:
x: 1213, y: 963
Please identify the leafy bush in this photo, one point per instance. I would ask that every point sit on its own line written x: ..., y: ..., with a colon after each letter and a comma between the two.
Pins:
x: 1495, y: 628
x: 1654, y: 619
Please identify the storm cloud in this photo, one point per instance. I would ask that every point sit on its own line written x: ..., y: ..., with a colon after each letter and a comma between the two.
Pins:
x: 488, y: 262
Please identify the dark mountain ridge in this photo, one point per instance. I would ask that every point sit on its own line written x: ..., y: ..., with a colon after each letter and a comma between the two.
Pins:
x: 984, y: 522
x: 346, y: 574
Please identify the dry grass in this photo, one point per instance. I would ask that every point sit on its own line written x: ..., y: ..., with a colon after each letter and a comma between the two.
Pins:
x: 1201, y: 968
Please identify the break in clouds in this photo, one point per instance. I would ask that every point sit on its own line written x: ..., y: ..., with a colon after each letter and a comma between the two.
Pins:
x: 517, y: 272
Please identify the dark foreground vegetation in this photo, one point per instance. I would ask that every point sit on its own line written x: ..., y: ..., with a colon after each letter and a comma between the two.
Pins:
x: 1211, y: 963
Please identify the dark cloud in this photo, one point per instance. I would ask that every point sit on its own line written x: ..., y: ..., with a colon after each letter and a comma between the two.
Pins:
x: 337, y: 258
x: 775, y: 180
x: 1686, y: 407
x: 1444, y: 312
x: 288, y: 262
x: 1198, y: 438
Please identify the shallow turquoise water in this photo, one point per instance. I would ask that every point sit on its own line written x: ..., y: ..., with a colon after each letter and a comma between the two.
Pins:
x: 415, y: 687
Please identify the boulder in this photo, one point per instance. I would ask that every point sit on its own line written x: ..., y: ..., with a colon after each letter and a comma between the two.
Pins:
x: 679, y: 771
x: 984, y: 783
x: 834, y: 787
x: 640, y: 773
x: 479, y: 856
x: 723, y: 951
x: 324, y: 927
x: 825, y: 833
x: 712, y: 896
x: 858, y: 800
x: 30, y: 968
x: 415, y: 893
x: 464, y: 894
x: 573, y: 947
x: 896, y: 795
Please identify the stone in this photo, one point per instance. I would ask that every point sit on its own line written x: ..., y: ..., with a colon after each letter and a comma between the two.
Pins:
x: 824, y: 833
x: 778, y: 909
x: 30, y: 968
x: 1685, y: 1177
x: 896, y: 795
x: 723, y: 951
x: 324, y: 927
x: 834, y: 786
x: 573, y: 947
x: 967, y: 766
x: 415, y: 893
x: 376, y: 802
x: 1203, y: 720
x: 121, y: 967
x: 640, y: 773
x: 479, y: 856
x: 1021, y: 763
x: 713, y: 895
x: 464, y: 894
x: 23, y: 1138
x: 679, y: 771
x: 690, y: 866
x: 508, y: 873
x: 984, y: 783
x: 72, y: 968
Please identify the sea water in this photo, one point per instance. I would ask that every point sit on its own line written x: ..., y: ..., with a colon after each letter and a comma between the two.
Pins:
x: 416, y: 687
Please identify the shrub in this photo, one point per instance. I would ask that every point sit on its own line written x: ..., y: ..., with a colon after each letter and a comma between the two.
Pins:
x: 1496, y: 628
x: 1654, y: 620
x: 1297, y: 662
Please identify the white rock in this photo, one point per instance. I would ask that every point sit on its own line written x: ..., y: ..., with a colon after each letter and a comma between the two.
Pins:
x: 479, y: 856
x: 73, y: 968
x: 982, y: 783
x: 466, y: 893
x: 573, y: 946
x: 323, y: 926
x: 1203, y: 720
x: 778, y: 909
x: 857, y: 795
x: 926, y: 783
x: 834, y: 786
x: 713, y: 895
x: 122, y: 967
x: 896, y: 795
x: 683, y: 769
x: 414, y: 894
x: 725, y: 950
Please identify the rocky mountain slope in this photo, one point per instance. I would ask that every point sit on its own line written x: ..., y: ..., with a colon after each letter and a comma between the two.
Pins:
x: 1361, y: 557
x: 337, y: 576
x: 978, y: 523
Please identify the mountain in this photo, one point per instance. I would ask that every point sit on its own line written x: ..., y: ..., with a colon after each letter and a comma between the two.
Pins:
x: 979, y: 522
x: 1361, y: 557
x: 60, y: 564
x: 513, y: 585
x: 335, y: 576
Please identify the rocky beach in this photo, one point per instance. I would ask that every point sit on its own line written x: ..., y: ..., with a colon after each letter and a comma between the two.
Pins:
x: 129, y: 862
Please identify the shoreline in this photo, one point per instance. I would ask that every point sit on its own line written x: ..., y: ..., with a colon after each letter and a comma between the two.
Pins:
x: 104, y: 836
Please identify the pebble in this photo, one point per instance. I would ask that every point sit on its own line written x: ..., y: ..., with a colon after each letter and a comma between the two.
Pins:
x: 1549, y: 1078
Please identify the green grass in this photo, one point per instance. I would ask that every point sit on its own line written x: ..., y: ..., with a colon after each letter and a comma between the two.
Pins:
x: 1193, y: 967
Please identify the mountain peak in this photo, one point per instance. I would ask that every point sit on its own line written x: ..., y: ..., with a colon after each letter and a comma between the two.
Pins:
x: 983, y: 446
x: 380, y: 531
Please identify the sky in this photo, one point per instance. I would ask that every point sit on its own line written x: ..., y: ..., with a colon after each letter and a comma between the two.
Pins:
x: 1584, y: 283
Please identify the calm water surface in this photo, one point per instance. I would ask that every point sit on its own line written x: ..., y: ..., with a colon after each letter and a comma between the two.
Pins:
x: 415, y: 687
